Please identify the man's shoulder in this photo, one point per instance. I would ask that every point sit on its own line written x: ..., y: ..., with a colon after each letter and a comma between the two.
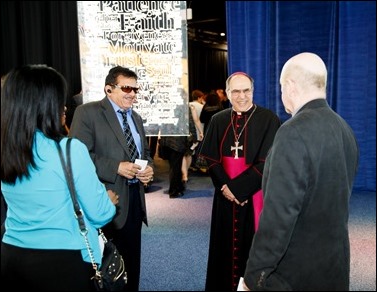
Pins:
x: 136, y: 114
x: 266, y: 113
x: 222, y: 114
x: 92, y: 105
x: 264, y: 110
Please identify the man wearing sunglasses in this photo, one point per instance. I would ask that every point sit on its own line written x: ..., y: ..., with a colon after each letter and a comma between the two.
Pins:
x: 115, y: 136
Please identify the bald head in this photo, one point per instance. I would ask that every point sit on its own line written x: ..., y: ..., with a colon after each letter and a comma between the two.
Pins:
x: 303, y: 78
x: 306, y: 68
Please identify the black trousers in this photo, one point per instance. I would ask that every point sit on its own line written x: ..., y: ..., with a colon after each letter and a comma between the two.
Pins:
x: 44, y: 270
x: 128, y: 239
x: 175, y: 172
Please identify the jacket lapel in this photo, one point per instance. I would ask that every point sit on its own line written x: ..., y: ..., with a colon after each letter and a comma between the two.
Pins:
x: 112, y: 119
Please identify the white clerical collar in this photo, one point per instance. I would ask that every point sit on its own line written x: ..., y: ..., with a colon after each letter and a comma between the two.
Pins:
x: 240, y: 113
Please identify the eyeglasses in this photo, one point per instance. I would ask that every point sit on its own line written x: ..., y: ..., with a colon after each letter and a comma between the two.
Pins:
x: 237, y: 92
x: 126, y: 88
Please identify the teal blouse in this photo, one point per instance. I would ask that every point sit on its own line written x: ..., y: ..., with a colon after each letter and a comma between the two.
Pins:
x: 40, y: 212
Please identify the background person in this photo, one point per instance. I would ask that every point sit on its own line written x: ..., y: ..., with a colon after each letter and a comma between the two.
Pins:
x: 195, y: 139
x: 99, y: 125
x: 65, y: 128
x: 198, y: 101
x: 302, y: 243
x: 174, y: 149
x: 42, y: 248
x: 235, y: 147
x: 211, y: 107
x: 225, y: 102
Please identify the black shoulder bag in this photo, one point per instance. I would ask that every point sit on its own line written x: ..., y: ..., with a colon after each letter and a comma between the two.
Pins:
x: 112, y: 275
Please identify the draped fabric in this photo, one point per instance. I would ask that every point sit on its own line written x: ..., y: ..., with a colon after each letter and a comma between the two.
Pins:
x: 207, y: 67
x: 263, y: 35
x: 42, y: 32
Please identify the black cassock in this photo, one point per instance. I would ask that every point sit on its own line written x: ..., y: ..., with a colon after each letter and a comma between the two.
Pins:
x: 232, y: 226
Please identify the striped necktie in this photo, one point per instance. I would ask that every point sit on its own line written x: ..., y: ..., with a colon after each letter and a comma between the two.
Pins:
x: 129, y: 138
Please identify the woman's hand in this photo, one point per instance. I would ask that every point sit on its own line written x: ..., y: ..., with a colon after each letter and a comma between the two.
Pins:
x: 113, y: 197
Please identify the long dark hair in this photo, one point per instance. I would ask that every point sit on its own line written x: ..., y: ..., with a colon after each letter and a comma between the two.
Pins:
x: 32, y: 98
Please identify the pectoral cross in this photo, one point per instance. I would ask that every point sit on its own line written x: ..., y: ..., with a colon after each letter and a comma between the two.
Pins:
x: 236, y: 148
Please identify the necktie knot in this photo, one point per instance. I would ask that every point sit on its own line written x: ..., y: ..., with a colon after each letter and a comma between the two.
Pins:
x: 123, y: 113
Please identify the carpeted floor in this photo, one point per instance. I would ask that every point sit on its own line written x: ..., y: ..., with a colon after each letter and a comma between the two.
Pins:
x: 175, y: 245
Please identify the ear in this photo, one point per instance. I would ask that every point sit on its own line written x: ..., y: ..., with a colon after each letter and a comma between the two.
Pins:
x: 291, y: 87
x: 107, y: 89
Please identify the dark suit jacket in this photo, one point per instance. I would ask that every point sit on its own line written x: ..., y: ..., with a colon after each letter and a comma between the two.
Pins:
x: 96, y: 125
x: 302, y: 243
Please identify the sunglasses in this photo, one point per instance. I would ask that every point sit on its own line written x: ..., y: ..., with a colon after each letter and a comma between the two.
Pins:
x: 127, y: 89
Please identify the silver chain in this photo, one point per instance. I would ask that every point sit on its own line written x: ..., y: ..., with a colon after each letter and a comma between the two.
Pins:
x: 90, y: 251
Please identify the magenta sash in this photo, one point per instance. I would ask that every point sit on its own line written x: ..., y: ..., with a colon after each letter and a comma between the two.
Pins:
x: 235, y: 167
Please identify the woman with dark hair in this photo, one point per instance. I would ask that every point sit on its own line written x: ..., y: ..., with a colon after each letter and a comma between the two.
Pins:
x: 211, y: 107
x: 42, y: 248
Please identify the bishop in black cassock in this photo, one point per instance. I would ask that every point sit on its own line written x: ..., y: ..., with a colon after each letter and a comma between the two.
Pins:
x: 235, y: 148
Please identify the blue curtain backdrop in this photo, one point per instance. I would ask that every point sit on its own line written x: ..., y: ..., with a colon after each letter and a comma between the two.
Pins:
x: 263, y: 35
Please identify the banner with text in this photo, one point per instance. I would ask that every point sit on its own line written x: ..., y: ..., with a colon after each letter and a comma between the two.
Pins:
x: 148, y: 37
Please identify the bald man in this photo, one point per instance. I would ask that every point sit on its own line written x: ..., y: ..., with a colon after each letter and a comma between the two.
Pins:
x: 302, y: 243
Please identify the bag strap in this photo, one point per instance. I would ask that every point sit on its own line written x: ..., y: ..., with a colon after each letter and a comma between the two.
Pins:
x: 67, y: 169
